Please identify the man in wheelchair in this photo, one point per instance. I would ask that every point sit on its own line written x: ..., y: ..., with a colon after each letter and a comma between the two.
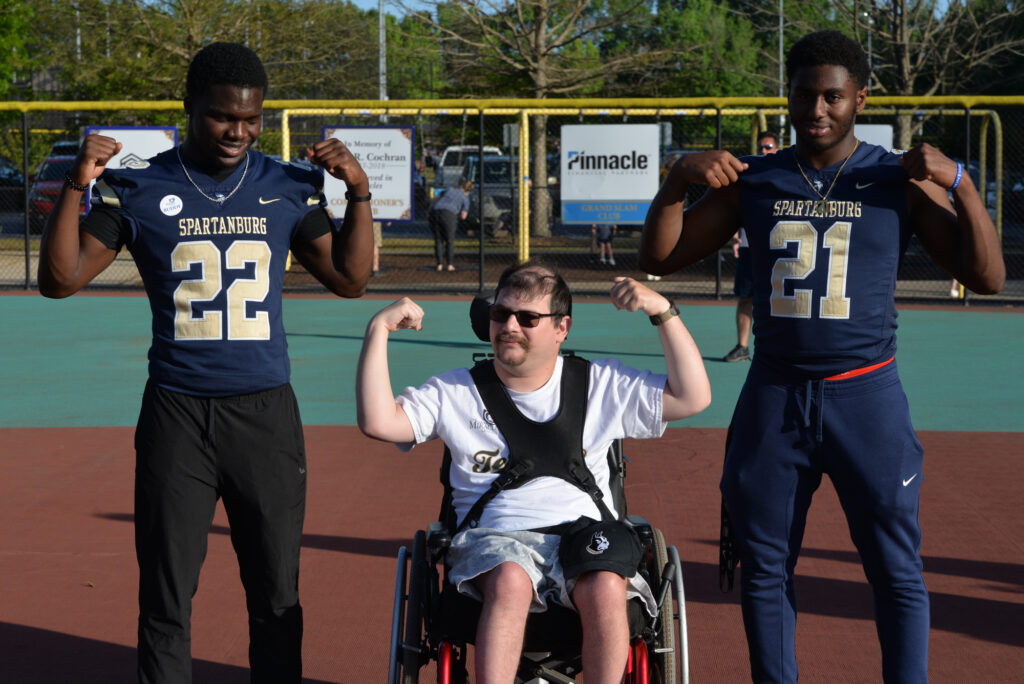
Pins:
x: 515, y: 490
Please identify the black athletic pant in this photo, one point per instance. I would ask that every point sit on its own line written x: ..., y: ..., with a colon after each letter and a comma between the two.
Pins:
x: 443, y: 224
x: 190, y: 451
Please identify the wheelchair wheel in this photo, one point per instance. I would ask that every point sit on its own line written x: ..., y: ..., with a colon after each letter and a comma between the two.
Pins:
x: 663, y: 660
x: 413, y: 645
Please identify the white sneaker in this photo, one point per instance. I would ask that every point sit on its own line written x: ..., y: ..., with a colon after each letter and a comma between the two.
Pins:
x: 611, y: 262
x: 603, y: 260
x: 653, y: 277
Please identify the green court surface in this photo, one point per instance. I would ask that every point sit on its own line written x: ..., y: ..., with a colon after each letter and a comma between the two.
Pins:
x: 81, y: 361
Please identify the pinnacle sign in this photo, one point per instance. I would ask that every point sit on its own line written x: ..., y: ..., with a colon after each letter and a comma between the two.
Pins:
x: 609, y: 172
x: 585, y: 162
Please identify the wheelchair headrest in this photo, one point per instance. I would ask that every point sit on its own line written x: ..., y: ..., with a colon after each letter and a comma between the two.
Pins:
x: 479, y: 316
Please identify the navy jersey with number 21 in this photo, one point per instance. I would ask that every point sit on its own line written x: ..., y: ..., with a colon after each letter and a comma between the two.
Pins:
x: 831, y: 267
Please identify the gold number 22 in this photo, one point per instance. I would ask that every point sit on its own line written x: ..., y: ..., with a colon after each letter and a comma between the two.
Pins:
x: 208, y: 325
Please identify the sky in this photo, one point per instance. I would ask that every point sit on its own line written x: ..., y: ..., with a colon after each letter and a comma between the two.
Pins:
x: 390, y: 7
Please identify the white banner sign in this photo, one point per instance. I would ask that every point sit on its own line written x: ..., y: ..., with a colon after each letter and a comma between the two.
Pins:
x: 386, y: 155
x: 609, y: 172
x: 138, y: 143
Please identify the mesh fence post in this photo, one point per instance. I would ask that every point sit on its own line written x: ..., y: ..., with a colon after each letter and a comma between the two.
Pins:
x: 24, y: 152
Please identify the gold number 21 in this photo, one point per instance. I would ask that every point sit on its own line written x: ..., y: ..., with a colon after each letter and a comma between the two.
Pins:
x: 834, y: 303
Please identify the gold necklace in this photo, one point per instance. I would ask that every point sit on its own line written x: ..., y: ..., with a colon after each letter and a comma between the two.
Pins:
x: 220, y: 198
x: 821, y: 205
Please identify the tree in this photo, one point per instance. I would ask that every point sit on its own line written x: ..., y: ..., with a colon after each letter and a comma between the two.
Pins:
x: 414, y: 61
x: 702, y: 48
x: 918, y: 47
x: 15, y: 21
x: 538, y: 49
x: 927, y: 47
x: 311, y: 48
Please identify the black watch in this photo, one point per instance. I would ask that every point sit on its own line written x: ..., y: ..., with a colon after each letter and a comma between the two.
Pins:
x: 357, y: 198
x: 673, y: 310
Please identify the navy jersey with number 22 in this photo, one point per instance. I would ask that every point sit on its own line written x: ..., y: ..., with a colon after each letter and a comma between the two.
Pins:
x: 832, y: 269
x: 213, y: 271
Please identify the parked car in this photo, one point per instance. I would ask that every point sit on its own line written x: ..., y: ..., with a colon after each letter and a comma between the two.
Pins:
x: 1013, y: 198
x: 449, y: 171
x: 500, y: 191
x: 64, y: 148
x: 12, y: 186
x: 45, y: 188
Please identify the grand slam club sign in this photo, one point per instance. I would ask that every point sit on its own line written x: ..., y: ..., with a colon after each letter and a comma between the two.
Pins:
x: 609, y: 173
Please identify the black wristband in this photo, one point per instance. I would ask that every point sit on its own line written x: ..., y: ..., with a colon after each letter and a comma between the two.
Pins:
x: 72, y: 184
x: 357, y: 198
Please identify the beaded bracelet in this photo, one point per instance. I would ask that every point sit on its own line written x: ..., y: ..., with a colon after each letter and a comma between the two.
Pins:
x: 81, y: 188
x: 959, y: 175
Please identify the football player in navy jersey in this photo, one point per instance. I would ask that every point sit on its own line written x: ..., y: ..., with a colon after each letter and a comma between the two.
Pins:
x: 827, y: 221
x: 210, y: 225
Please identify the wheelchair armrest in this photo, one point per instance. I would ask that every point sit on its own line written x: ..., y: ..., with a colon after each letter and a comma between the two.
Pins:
x: 438, y: 540
x: 643, y: 528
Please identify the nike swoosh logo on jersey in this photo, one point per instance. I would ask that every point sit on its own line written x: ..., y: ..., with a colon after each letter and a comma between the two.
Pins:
x: 861, y: 186
x: 909, y: 479
x: 269, y: 201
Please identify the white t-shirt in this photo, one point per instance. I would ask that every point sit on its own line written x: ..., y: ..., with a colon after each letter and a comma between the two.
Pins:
x: 623, y: 402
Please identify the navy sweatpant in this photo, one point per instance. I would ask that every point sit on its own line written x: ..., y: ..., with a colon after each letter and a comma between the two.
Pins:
x: 785, y: 434
x: 190, y: 451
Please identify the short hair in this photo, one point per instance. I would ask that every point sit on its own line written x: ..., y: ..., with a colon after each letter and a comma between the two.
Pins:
x: 466, y: 186
x: 829, y: 48
x: 768, y: 134
x: 230, y: 64
x: 534, y: 278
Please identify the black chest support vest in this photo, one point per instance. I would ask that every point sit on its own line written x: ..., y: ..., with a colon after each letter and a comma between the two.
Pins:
x: 551, y: 449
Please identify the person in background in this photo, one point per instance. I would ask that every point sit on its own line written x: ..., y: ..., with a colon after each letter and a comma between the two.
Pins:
x: 451, y: 206
x: 378, y: 242
x: 743, y: 285
x: 602, y: 235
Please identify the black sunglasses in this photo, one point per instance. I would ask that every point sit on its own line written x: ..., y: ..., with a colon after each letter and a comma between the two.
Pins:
x: 526, y: 319
x: 769, y: 146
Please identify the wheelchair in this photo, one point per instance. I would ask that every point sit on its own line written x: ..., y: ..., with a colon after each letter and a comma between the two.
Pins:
x: 431, y: 621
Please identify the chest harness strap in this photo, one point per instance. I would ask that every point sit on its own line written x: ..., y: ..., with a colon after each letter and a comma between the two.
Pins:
x: 551, y: 449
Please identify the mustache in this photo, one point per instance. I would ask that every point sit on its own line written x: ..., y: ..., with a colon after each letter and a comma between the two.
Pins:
x: 511, y: 337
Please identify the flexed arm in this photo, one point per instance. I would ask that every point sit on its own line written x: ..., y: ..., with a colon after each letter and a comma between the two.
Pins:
x: 342, y: 260
x: 378, y: 414
x: 688, y: 390
x: 665, y: 246
x: 68, y: 258
x: 963, y: 242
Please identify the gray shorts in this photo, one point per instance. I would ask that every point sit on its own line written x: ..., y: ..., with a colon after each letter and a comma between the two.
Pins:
x: 477, y: 551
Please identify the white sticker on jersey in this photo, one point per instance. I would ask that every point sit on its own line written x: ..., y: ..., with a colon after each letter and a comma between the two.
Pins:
x: 171, y: 205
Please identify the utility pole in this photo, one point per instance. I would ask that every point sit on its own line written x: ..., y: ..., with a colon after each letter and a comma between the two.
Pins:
x: 782, y: 118
x: 383, y: 61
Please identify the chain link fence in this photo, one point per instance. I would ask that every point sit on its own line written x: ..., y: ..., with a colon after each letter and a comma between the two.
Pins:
x: 503, y: 226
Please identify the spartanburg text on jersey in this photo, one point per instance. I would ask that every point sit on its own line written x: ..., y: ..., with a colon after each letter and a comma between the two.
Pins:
x: 825, y: 274
x: 214, y: 271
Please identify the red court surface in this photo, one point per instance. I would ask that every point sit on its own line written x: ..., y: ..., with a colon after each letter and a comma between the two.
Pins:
x: 68, y: 574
